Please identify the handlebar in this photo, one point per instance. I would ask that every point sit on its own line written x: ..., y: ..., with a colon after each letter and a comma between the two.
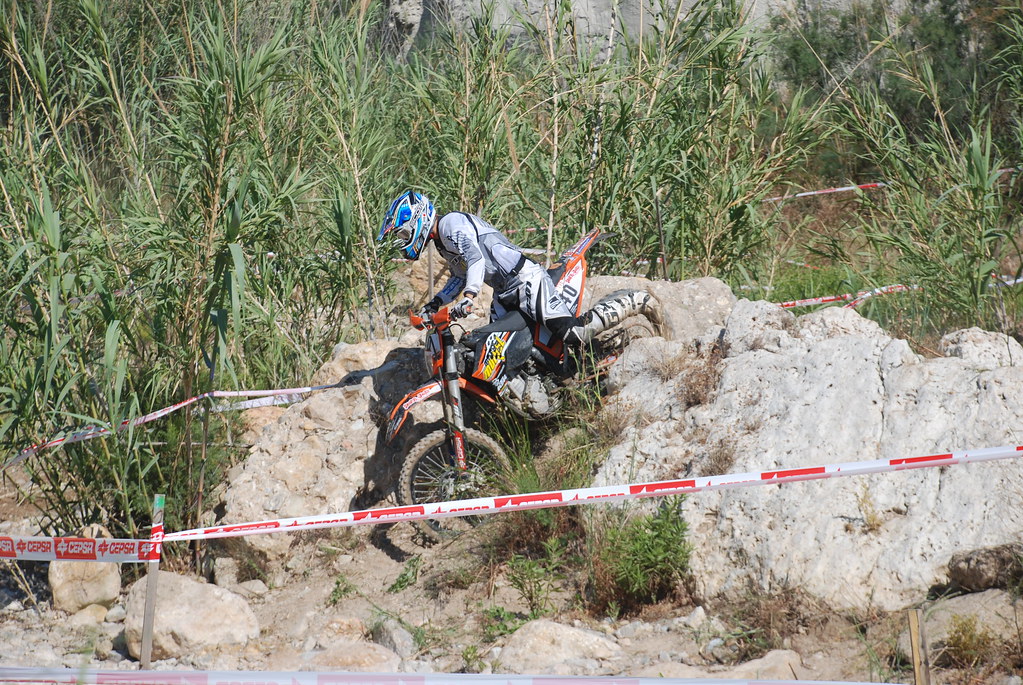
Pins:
x: 438, y: 319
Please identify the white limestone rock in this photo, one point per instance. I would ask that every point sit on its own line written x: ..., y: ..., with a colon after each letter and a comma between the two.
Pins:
x: 190, y: 617
x: 543, y: 646
x: 78, y: 584
x: 826, y: 388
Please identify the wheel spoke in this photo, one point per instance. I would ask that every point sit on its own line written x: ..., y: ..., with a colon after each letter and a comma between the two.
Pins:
x: 431, y: 476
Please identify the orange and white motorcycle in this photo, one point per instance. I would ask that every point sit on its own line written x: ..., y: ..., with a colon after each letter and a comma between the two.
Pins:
x: 510, y: 362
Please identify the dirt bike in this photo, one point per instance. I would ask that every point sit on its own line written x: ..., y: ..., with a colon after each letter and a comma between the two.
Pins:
x: 510, y: 362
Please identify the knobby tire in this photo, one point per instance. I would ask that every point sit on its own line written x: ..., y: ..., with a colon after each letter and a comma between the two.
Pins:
x: 429, y: 475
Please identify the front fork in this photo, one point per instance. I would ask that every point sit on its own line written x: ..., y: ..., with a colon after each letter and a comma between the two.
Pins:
x: 453, y: 403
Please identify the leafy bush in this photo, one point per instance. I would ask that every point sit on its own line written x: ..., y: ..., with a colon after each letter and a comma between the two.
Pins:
x: 826, y: 48
x: 641, y: 559
x: 535, y: 579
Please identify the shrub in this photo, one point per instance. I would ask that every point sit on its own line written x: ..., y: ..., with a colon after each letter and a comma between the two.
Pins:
x: 535, y: 579
x: 641, y: 559
x: 968, y: 645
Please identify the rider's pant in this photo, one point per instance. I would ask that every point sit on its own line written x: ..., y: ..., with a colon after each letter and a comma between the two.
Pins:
x: 534, y: 295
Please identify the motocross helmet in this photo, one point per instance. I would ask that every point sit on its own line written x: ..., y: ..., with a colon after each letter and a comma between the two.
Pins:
x: 408, y: 223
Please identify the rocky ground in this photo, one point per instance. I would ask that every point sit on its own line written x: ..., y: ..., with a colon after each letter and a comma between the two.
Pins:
x: 349, y: 611
x: 378, y: 600
x: 807, y: 581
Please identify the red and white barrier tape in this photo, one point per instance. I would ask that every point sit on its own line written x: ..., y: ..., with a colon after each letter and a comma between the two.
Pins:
x: 609, y: 493
x: 69, y: 676
x: 820, y: 300
x: 90, y: 432
x: 862, y: 186
x: 78, y: 549
x: 826, y: 191
x: 854, y: 299
x: 883, y: 290
x: 270, y: 401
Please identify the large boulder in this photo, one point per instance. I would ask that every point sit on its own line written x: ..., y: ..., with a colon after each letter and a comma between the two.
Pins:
x: 190, y: 617
x: 824, y: 388
x: 78, y: 584
x: 322, y: 453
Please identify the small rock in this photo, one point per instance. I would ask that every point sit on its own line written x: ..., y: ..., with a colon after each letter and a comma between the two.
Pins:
x: 696, y: 618
x: 115, y: 614
x: 395, y: 637
x: 77, y: 584
x: 986, y: 568
x: 251, y: 588
x: 225, y: 572
x: 717, y: 649
x: 416, y: 666
x: 91, y: 615
x: 103, y: 648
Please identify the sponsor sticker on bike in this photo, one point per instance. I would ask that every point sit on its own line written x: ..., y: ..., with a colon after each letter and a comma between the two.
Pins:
x: 492, y: 357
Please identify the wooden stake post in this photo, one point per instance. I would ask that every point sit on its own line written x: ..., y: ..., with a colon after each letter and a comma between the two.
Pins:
x: 152, y: 573
x: 917, y: 640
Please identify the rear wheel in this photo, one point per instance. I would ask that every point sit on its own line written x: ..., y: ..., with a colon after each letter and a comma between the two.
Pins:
x: 429, y: 474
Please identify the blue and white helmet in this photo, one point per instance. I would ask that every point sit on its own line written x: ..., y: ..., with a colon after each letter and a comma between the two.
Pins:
x: 408, y: 223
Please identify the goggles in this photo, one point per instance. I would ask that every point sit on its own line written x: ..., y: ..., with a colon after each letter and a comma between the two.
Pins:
x: 401, y: 233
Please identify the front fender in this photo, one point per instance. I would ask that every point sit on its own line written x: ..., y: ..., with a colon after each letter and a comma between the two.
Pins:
x: 424, y: 392
x: 401, y: 410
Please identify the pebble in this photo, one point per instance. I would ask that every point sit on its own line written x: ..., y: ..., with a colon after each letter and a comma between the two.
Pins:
x: 251, y: 588
x: 116, y: 614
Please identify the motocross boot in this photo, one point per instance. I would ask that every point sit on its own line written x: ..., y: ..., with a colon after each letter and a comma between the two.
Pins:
x: 609, y: 313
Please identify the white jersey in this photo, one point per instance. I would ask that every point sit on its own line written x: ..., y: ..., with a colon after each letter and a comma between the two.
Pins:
x: 476, y: 253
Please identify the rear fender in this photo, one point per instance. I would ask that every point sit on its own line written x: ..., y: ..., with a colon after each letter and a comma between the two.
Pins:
x: 572, y: 281
x: 424, y: 392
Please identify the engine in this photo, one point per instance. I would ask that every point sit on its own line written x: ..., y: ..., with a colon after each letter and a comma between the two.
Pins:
x: 532, y: 394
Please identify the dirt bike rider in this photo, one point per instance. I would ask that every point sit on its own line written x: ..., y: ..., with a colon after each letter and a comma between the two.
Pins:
x: 478, y: 253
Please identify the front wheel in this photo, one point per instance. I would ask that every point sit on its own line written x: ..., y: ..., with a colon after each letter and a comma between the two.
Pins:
x: 430, y: 474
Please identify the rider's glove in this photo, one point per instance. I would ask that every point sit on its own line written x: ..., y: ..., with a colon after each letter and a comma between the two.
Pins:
x: 463, y: 308
x: 430, y: 308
